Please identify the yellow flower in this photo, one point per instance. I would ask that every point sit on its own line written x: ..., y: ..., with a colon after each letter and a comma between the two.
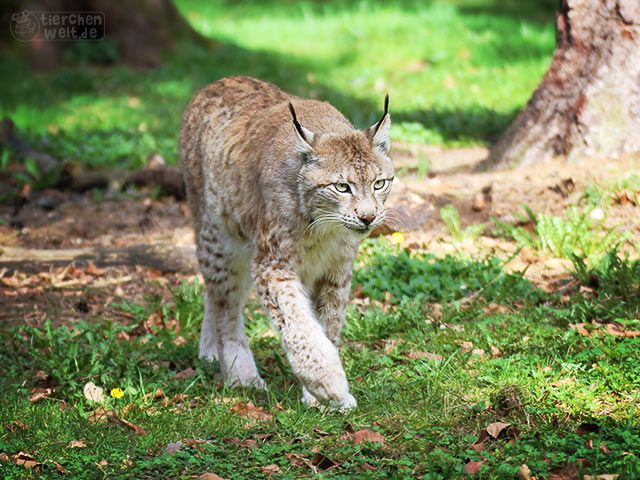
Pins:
x: 397, y: 237
x: 117, y: 393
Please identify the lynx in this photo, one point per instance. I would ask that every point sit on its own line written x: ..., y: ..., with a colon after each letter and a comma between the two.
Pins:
x: 282, y: 190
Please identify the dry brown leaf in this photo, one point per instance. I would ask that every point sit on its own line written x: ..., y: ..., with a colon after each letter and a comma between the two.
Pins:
x: 184, y: 374
x: 16, y: 425
x: 26, y: 460
x: 568, y: 472
x: 580, y: 328
x: 466, y: 346
x: 423, y: 355
x: 38, y: 394
x: 604, y: 448
x: 41, y: 376
x: 77, y: 444
x: 93, y: 393
x: 618, y: 331
x: 270, y: 469
x: 496, y: 428
x: 478, y: 446
x: 210, y: 476
x: 365, y: 435
x: 495, y: 308
x: 129, y: 425
x: 322, y: 462
x: 95, y: 271
x: 249, y: 410
x: 471, y: 468
x: 367, y: 467
x: 604, y: 476
x: 525, y: 473
x: 495, y: 352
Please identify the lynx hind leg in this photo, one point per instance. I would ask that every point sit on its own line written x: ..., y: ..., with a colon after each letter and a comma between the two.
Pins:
x: 225, y: 269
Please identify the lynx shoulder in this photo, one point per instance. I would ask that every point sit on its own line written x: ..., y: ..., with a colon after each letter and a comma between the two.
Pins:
x: 282, y: 190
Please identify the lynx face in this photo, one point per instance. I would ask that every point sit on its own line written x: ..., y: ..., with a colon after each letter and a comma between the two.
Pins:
x: 345, y: 179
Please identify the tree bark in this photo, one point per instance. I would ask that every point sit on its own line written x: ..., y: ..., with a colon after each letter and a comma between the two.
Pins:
x: 141, y: 31
x: 588, y: 103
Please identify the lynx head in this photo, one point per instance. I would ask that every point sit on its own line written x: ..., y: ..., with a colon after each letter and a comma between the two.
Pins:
x: 345, y: 178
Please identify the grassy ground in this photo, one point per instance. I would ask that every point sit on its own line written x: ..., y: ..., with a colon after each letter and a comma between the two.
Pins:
x: 438, y: 354
x: 456, y: 73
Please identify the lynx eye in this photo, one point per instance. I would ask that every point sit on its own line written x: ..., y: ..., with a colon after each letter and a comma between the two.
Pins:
x: 342, y: 187
x: 379, y: 184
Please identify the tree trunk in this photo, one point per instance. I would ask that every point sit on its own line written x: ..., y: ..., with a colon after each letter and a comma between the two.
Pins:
x: 588, y: 103
x: 141, y: 31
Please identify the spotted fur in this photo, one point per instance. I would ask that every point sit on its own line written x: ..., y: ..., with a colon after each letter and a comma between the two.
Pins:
x: 262, y: 170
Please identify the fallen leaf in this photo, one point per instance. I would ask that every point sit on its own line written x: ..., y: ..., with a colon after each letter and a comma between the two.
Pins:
x: 249, y: 410
x: 568, y: 472
x: 95, y: 271
x: 604, y: 448
x: 367, y: 467
x: 26, y: 460
x: 16, y: 425
x: 604, y: 476
x: 210, y: 476
x: 322, y: 462
x: 184, y: 374
x: 495, y: 352
x: 423, y: 355
x: 580, y: 328
x: 270, y: 469
x: 298, y: 460
x: 525, y: 472
x: 617, y: 331
x: 59, y: 468
x: 77, y: 444
x: 496, y: 428
x: 471, y: 468
x: 495, y: 308
x: 466, y: 347
x: 42, y: 376
x: 93, y: 393
x: 477, y: 351
x: 478, y: 446
x: 38, y: 394
x: 129, y: 425
x: 362, y: 436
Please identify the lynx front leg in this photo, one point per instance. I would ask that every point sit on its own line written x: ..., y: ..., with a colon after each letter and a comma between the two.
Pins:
x: 313, y: 358
x: 331, y: 297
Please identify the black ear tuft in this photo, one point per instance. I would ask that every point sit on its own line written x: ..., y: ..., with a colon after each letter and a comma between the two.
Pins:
x: 386, y: 111
x: 297, y: 124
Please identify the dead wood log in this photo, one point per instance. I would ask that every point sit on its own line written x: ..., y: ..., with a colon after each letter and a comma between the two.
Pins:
x: 167, y: 258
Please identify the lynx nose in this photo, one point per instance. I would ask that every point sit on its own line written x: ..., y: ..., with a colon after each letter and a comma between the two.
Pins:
x: 367, y: 219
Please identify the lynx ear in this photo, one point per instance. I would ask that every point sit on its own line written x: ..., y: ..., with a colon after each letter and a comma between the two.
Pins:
x: 379, y: 132
x: 304, y: 137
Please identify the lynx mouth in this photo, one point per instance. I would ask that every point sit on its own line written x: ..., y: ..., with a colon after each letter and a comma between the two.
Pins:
x: 362, y: 230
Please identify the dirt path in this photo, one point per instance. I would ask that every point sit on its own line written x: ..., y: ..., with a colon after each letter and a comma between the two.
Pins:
x: 60, y: 223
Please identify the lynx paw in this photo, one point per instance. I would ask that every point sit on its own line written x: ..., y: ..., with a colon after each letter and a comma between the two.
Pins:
x: 253, y: 382
x: 348, y: 402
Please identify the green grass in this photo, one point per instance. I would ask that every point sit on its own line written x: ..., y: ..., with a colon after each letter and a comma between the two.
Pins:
x: 523, y: 365
x: 456, y: 71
